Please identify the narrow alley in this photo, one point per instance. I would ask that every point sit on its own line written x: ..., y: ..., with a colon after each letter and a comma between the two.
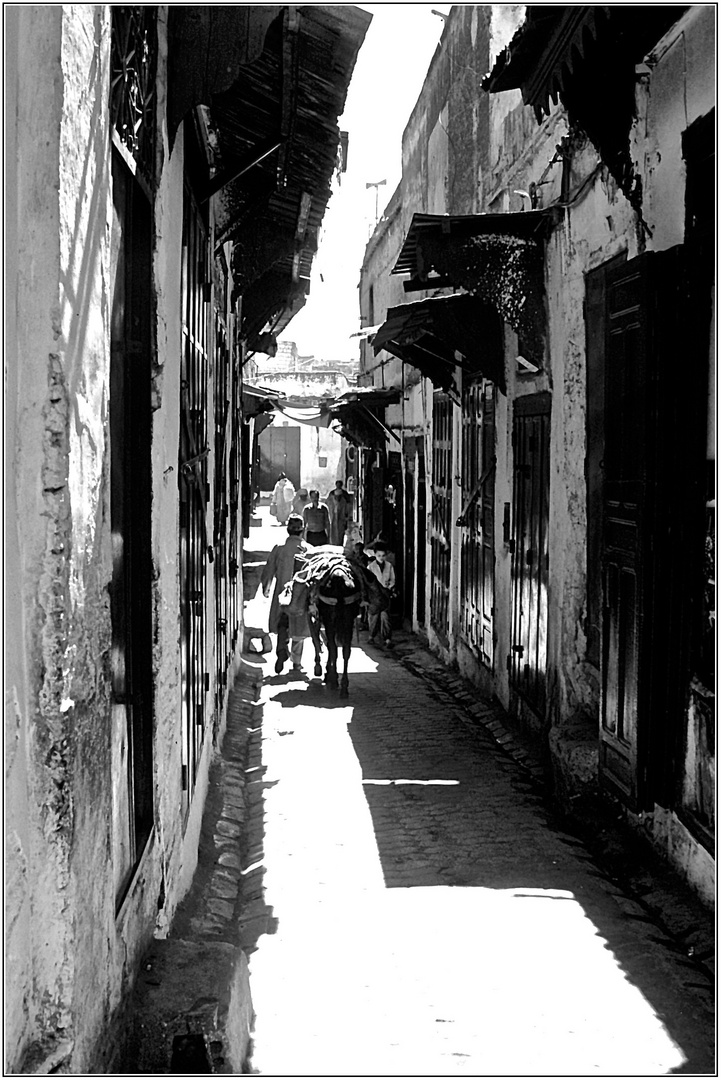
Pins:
x: 422, y: 914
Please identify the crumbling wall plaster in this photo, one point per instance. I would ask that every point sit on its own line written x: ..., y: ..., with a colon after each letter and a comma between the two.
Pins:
x: 588, y: 236
x: 468, y: 107
x: 39, y: 824
x: 679, y: 89
x: 167, y: 258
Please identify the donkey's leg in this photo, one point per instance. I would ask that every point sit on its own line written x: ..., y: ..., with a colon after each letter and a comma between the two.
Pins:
x: 346, y: 633
x: 314, y: 626
x: 331, y: 671
x: 344, y: 676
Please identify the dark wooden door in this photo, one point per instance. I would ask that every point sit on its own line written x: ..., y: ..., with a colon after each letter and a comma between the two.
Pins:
x: 131, y: 591
x: 441, y: 494
x: 422, y: 526
x: 624, y: 513
x: 409, y: 529
x: 650, y: 473
x: 279, y: 452
x: 224, y: 584
x: 194, y: 492
x: 477, y: 519
x: 529, y: 547
x: 415, y: 529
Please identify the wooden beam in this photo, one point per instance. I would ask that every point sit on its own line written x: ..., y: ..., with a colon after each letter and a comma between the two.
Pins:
x: 264, y: 150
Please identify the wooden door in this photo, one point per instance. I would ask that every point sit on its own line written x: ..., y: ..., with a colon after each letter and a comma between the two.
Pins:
x: 477, y: 519
x: 422, y: 528
x: 529, y: 548
x: 224, y: 585
x: 409, y: 529
x: 441, y: 495
x: 279, y: 452
x: 131, y: 590
x: 649, y: 475
x: 194, y: 493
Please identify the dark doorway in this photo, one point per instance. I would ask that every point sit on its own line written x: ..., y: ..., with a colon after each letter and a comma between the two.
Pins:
x: 279, y: 451
x: 441, y: 495
x: 131, y: 592
x: 529, y: 547
x: 422, y: 527
x: 478, y: 495
x: 409, y: 528
x: 194, y: 490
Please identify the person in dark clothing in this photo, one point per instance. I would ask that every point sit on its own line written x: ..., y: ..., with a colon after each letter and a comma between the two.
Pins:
x: 316, y: 521
x: 340, y: 506
x: 292, y: 630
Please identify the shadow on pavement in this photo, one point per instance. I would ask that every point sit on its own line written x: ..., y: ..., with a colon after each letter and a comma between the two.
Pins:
x: 451, y: 809
x: 316, y: 696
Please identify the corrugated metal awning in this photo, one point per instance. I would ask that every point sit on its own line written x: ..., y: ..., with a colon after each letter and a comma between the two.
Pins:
x: 437, y: 335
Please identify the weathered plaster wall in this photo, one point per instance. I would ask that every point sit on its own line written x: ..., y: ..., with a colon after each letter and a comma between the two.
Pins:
x: 70, y: 958
x: 380, y: 257
x: 317, y: 443
x: 168, y: 852
x: 19, y: 1005
x: 681, y: 87
x: 82, y: 377
x: 468, y: 107
x: 59, y: 451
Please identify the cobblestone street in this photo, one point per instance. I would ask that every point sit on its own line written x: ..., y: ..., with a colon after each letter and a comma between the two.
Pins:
x: 417, y: 911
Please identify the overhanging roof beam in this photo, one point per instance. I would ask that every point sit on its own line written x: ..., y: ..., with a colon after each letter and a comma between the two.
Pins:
x: 291, y: 60
x: 265, y: 149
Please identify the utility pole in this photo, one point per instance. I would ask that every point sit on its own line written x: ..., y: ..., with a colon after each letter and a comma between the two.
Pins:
x: 376, y: 185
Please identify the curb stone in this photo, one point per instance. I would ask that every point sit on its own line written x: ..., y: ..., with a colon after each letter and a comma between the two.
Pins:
x: 193, y: 1009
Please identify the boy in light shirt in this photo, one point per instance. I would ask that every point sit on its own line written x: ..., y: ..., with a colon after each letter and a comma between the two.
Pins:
x: 378, y: 617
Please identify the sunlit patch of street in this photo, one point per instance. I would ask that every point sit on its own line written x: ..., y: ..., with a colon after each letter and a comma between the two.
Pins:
x: 360, y: 978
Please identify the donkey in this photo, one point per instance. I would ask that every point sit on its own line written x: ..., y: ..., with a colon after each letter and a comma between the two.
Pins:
x: 337, y: 588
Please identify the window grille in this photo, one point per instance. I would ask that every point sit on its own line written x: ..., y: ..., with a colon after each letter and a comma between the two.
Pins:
x: 223, y: 584
x: 193, y: 489
x: 134, y: 52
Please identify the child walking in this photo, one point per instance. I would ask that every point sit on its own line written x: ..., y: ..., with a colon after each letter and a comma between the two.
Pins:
x: 378, y: 617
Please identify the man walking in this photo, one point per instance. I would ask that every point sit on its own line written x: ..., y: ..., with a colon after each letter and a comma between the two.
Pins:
x: 316, y: 520
x: 283, y: 561
x: 339, y: 505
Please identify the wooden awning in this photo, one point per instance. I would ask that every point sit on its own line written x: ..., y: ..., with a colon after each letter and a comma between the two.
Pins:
x: 273, y: 82
x: 437, y: 335
x: 360, y: 415
x: 207, y: 47
x: 498, y: 258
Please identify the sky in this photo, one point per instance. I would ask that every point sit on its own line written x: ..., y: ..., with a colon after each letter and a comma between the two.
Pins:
x: 386, y: 82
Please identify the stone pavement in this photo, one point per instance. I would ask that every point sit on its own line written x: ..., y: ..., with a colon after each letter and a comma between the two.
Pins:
x: 388, y: 879
x: 415, y: 908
